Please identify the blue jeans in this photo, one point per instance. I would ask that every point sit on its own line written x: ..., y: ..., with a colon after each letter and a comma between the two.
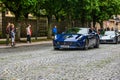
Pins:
x: 29, y: 38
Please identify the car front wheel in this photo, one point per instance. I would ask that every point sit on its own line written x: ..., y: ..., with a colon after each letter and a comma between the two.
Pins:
x: 86, y: 44
x: 116, y: 40
x: 97, y: 43
x: 56, y: 48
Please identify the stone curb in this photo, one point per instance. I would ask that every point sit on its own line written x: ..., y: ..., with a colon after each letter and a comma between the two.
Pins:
x: 26, y: 44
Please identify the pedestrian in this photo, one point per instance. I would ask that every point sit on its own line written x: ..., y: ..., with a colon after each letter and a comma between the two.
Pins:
x: 8, y: 33
x: 54, y: 31
x: 108, y: 29
x: 29, y: 33
x: 116, y: 27
x: 12, y: 34
x: 112, y: 29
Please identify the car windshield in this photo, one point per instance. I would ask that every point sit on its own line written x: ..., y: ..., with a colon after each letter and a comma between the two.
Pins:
x: 109, y: 33
x: 77, y: 31
x: 83, y: 31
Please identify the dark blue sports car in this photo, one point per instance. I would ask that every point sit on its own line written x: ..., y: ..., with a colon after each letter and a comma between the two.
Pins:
x: 76, y: 38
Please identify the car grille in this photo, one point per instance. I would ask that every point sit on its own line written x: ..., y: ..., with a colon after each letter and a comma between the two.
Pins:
x: 67, y: 43
x: 106, y: 40
x: 109, y: 40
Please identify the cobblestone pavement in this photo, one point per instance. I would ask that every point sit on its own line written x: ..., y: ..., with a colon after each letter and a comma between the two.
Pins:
x: 41, y: 62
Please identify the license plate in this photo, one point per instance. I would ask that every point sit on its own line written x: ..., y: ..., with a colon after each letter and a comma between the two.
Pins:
x: 64, y: 46
x: 104, y: 41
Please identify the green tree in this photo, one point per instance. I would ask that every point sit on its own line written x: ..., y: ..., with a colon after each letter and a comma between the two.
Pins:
x: 20, y: 8
x: 37, y: 12
x: 69, y: 8
x: 104, y: 12
x: 107, y: 8
x: 115, y: 6
x: 83, y: 11
x: 52, y: 7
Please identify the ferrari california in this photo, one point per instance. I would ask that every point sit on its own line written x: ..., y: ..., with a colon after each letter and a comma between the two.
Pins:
x: 76, y: 37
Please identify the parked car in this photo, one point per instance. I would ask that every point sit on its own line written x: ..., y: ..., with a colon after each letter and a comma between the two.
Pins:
x: 77, y: 38
x: 110, y: 37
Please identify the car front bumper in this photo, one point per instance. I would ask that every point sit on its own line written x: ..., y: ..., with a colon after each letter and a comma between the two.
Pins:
x: 68, y: 45
x: 108, y: 41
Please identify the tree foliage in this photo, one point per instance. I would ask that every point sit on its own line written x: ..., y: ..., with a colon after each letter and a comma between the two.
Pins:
x: 85, y: 11
x: 20, y: 7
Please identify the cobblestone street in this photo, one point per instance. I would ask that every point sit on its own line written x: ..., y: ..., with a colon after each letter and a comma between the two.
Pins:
x: 42, y: 62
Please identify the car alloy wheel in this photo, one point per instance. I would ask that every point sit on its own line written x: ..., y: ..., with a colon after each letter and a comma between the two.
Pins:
x: 86, y: 44
x: 97, y: 43
x: 56, y: 48
x: 116, y: 41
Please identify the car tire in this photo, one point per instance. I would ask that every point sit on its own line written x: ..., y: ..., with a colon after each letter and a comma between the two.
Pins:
x: 97, y: 43
x: 116, y: 40
x: 86, y: 44
x: 56, y: 48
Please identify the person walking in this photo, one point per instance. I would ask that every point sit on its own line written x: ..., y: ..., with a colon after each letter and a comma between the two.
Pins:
x: 8, y: 33
x: 12, y: 32
x: 54, y: 31
x: 29, y: 33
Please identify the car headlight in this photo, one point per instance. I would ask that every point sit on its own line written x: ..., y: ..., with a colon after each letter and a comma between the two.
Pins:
x: 112, y: 37
x: 58, y: 43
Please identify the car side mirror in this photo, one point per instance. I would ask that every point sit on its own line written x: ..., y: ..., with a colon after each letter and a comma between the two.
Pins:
x: 117, y: 34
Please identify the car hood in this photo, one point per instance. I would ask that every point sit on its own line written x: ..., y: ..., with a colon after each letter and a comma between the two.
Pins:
x: 107, y: 37
x: 68, y: 37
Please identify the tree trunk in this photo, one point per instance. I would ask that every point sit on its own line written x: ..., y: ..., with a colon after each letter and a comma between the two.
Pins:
x: 94, y: 21
x: 36, y: 29
x: 94, y: 18
x: 83, y: 22
x: 26, y: 15
x: 101, y: 24
x: 89, y: 23
x: 49, y: 32
x: 69, y: 21
x: 3, y: 19
x: 17, y: 26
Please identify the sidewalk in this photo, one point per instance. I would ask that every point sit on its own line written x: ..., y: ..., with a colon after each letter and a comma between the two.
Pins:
x: 25, y: 44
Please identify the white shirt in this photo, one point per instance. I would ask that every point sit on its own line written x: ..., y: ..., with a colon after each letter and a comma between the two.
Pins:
x: 28, y: 31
